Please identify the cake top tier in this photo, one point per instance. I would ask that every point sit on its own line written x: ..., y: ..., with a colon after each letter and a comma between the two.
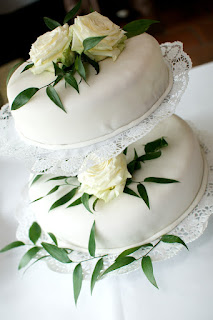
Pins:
x: 125, y: 92
x: 120, y: 96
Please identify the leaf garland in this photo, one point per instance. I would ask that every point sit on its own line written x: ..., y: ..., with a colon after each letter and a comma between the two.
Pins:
x: 61, y: 254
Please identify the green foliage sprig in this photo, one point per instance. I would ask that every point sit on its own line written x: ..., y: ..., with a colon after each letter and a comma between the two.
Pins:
x: 152, y: 151
x: 45, y: 250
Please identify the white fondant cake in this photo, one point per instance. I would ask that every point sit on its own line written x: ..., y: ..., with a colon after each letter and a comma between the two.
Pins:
x: 120, y: 96
x: 126, y: 221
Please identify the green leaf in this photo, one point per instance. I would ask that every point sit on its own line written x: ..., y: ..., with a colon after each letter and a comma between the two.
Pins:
x: 53, y: 190
x: 93, y: 63
x: 71, y: 14
x: 57, y: 80
x: 34, y: 232
x: 53, y: 95
x: 37, y: 199
x: 159, y: 180
x: 53, y: 237
x: 96, y: 273
x: 23, y: 97
x: 155, y: 145
x: 119, y: 264
x: 150, y: 156
x: 50, y: 23
x: 80, y: 67
x: 131, y: 166
x: 36, y: 178
x: 173, y: 239
x: 131, y: 192
x: 70, y: 79
x: 137, y: 164
x: 137, y: 27
x: 94, y: 203
x: 29, y: 255
x: 77, y: 281
x: 128, y: 181
x: 58, y: 70
x: 37, y: 260
x: 12, y: 245
x: 132, y: 250
x: 91, y: 42
x: 67, y: 197
x: 92, y: 245
x: 57, y: 178
x: 57, y: 253
x: 146, y: 264
x: 135, y: 155
x: 75, y: 203
x: 143, y: 194
x: 28, y: 67
x: 12, y: 70
x: 125, y: 151
x: 85, y: 200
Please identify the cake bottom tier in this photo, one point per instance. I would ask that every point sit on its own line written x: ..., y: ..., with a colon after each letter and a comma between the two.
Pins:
x: 127, y: 221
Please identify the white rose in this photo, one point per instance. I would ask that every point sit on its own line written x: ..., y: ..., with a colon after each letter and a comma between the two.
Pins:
x: 94, y: 25
x: 105, y: 180
x: 53, y: 46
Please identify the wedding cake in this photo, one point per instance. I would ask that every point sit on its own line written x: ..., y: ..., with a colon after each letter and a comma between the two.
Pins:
x: 86, y: 84
x: 125, y: 92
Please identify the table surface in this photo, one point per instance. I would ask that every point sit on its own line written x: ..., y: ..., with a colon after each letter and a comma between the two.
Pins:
x: 185, y: 281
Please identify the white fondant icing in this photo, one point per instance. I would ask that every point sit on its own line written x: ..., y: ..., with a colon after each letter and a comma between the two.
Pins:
x: 120, y: 96
x: 126, y: 221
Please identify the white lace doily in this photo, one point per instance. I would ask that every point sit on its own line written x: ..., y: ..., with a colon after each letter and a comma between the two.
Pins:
x: 68, y: 161
x: 188, y: 230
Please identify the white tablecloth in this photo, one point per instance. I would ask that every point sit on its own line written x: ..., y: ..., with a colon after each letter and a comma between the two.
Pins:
x: 185, y: 281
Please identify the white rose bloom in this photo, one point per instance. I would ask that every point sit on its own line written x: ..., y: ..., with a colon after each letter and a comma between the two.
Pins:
x: 95, y: 25
x: 53, y: 46
x: 105, y: 180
